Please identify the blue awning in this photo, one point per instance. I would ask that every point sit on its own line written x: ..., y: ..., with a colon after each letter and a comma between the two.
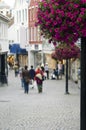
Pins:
x: 15, y: 48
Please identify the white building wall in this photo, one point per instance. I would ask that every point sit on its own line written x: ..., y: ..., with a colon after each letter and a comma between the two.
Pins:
x: 74, y: 69
x: 4, y: 35
x: 23, y: 36
x: 12, y: 34
x: 30, y: 59
x: 19, y: 28
x: 21, y: 19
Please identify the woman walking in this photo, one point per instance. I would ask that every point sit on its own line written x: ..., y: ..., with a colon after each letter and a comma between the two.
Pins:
x: 39, y: 79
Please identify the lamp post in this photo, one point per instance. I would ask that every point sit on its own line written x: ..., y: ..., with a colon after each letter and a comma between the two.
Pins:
x: 83, y: 85
x: 66, y: 89
x: 0, y: 62
x: 83, y: 80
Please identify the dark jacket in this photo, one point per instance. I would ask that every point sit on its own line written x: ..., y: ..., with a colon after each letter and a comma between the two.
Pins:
x: 32, y: 73
x: 25, y: 75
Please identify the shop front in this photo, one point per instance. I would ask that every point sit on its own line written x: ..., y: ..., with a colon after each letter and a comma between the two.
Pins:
x: 21, y: 55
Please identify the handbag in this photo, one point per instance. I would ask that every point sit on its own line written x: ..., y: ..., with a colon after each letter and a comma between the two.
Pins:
x: 31, y: 81
x: 27, y: 80
x: 43, y: 78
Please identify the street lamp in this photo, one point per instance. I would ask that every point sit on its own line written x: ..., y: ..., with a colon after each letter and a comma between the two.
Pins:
x: 83, y: 85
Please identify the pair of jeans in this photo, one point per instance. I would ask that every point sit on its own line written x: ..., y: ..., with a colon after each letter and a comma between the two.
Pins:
x: 26, y: 87
x: 47, y: 72
x: 39, y: 88
x: 22, y: 82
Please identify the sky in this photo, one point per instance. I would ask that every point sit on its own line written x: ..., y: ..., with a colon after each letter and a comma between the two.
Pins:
x: 9, y: 2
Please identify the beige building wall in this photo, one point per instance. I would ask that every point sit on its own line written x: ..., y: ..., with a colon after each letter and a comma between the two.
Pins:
x: 74, y: 69
x: 23, y: 60
x: 51, y: 62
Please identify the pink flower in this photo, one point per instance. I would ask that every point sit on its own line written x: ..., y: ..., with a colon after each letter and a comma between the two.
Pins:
x: 83, y: 1
x: 64, y: 51
x: 62, y: 21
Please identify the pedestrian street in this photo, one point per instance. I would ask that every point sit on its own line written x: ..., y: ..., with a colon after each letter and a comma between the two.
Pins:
x: 50, y: 110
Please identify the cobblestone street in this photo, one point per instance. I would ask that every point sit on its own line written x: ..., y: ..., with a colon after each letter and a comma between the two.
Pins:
x: 50, y: 110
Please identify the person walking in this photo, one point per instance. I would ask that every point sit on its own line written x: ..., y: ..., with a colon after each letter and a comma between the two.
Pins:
x: 21, y: 77
x: 26, y: 79
x: 39, y: 79
x: 47, y: 70
x: 60, y: 70
x: 57, y: 73
x: 32, y: 75
x: 15, y: 67
x: 53, y: 74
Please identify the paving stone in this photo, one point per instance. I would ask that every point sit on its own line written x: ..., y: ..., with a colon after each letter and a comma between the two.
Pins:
x: 50, y: 110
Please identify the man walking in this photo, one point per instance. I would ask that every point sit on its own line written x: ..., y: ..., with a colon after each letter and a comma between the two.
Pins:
x: 32, y: 75
x: 26, y: 79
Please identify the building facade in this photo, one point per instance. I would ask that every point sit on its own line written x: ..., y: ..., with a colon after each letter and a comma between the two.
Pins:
x: 35, y: 39
x: 40, y: 50
x: 3, y: 48
x: 18, y: 31
x: 4, y: 45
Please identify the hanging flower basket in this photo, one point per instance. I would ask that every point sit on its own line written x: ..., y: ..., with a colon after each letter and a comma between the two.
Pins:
x: 64, y: 51
x: 62, y: 20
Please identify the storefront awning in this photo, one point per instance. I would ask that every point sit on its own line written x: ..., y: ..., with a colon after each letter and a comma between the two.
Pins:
x: 16, y: 49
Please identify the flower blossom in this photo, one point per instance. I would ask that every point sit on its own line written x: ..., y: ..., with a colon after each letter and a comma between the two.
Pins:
x: 62, y: 20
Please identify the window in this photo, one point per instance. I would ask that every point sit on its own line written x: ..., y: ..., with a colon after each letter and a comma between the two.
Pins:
x: 2, y: 12
x: 30, y: 34
x: 36, y: 47
x: 25, y: 14
x: 19, y: 16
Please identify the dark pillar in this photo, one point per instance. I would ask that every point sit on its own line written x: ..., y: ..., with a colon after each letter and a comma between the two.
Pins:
x: 3, y: 75
x: 83, y: 85
x: 3, y: 64
x: 66, y: 91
